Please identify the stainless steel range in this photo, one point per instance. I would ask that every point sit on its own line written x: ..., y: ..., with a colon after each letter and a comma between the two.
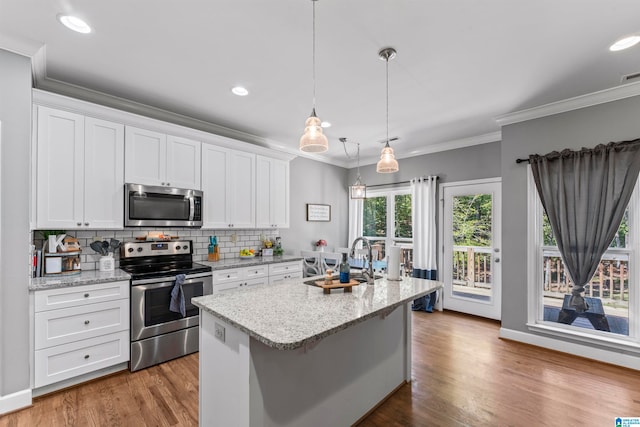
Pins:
x: 158, y: 334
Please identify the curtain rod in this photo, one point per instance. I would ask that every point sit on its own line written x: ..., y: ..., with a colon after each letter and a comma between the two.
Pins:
x: 522, y: 160
x: 396, y: 183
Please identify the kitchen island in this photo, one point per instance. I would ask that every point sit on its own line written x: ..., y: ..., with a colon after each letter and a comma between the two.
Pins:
x: 289, y: 355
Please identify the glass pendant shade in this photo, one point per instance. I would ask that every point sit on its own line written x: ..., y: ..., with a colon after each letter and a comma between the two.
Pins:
x: 313, y: 140
x: 358, y: 190
x: 387, y: 162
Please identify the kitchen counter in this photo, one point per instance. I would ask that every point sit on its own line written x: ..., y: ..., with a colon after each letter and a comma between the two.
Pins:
x: 289, y: 315
x: 289, y: 355
x: 249, y: 262
x: 88, y: 277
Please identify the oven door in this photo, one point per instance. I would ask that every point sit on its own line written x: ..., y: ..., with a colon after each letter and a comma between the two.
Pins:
x: 150, y: 299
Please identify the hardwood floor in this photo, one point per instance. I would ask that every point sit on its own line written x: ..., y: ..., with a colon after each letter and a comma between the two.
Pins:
x: 463, y: 375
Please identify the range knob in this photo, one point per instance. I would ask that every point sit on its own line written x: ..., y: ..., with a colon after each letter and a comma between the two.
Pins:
x: 178, y: 247
x: 140, y: 249
x: 130, y: 250
x: 185, y: 247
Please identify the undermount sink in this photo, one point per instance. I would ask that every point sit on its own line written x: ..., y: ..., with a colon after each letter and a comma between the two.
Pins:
x: 358, y: 276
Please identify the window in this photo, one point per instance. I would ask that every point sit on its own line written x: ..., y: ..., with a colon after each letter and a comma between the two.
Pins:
x: 386, y: 221
x: 612, y: 292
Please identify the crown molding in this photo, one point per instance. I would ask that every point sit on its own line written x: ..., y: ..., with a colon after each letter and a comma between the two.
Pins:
x: 588, y: 100
x: 439, y: 146
x: 18, y: 45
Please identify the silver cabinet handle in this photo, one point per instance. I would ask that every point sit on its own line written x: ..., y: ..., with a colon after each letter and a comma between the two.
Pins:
x: 86, y: 356
x: 497, y: 259
x: 86, y: 223
x: 86, y: 295
x: 79, y: 224
x: 162, y: 183
x: 168, y: 184
x: 86, y: 322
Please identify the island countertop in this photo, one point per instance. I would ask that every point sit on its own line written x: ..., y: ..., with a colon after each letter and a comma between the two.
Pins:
x: 290, y: 315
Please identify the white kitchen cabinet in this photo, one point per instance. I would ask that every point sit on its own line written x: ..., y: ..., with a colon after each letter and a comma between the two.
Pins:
x: 281, y: 271
x: 233, y: 278
x: 79, y: 330
x: 228, y: 184
x: 272, y: 192
x: 79, y: 178
x: 154, y: 158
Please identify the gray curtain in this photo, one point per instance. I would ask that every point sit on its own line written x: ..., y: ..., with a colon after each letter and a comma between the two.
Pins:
x: 585, y: 194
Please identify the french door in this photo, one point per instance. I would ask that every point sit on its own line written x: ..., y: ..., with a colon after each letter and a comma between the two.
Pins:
x: 470, y: 236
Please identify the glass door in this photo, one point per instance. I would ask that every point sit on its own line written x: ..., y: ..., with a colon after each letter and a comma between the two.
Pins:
x: 470, y: 213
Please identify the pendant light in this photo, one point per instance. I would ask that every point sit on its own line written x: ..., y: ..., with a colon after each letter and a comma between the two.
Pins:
x: 387, y: 162
x: 313, y: 140
x: 358, y: 190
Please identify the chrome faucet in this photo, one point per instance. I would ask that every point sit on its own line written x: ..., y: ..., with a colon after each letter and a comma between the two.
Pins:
x: 368, y: 273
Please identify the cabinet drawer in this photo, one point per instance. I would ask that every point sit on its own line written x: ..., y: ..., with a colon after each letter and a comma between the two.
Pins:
x: 70, y: 360
x: 74, y: 296
x: 240, y: 284
x: 255, y: 272
x: 276, y: 278
x: 285, y: 267
x: 226, y: 276
x: 56, y: 327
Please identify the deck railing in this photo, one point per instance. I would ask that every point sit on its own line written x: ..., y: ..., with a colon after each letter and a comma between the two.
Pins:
x: 610, y: 282
x: 472, y: 266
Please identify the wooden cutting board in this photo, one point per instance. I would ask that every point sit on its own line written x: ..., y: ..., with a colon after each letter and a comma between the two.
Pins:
x: 335, y: 284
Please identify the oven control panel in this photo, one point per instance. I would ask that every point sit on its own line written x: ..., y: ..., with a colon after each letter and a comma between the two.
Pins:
x: 155, y: 248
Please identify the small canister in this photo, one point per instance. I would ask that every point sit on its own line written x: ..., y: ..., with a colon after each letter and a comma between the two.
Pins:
x: 106, y: 263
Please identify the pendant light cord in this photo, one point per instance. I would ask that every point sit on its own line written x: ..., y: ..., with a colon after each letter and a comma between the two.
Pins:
x: 387, y: 68
x: 313, y: 49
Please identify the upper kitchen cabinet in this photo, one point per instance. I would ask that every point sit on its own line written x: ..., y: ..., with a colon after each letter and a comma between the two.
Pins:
x: 228, y: 186
x: 154, y: 158
x: 80, y: 171
x: 272, y: 192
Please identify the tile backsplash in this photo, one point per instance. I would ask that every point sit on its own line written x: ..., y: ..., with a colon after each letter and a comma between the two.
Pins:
x: 229, y: 241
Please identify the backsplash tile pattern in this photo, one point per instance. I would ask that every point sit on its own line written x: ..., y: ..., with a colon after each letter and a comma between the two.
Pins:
x: 228, y: 248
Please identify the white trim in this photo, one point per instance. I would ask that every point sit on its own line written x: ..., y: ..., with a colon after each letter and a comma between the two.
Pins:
x: 19, y: 45
x: 14, y: 401
x: 534, y: 257
x: 603, y: 355
x: 91, y: 109
x: 437, y: 147
x: 575, y: 103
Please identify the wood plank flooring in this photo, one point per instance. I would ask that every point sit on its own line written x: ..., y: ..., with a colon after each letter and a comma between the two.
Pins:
x: 463, y: 375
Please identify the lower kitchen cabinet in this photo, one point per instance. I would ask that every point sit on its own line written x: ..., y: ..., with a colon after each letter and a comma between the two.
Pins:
x: 232, y: 278
x: 79, y: 330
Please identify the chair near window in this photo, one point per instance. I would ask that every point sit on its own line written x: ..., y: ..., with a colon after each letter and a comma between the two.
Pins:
x: 311, y: 263
x: 330, y: 260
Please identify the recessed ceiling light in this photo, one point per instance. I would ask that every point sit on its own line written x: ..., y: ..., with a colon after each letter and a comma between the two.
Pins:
x: 325, y: 124
x: 240, y: 91
x: 74, y: 23
x: 625, y: 43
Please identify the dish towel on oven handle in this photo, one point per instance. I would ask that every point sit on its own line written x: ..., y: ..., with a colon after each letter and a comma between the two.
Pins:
x: 177, y: 296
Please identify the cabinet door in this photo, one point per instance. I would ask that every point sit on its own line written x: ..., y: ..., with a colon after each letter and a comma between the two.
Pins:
x: 145, y: 157
x: 242, y: 189
x: 183, y: 163
x: 59, y: 182
x: 103, y: 174
x: 215, y: 165
x: 272, y: 192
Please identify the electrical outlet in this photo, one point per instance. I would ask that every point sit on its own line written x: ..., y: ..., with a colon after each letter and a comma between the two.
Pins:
x: 219, y: 331
x: 234, y: 238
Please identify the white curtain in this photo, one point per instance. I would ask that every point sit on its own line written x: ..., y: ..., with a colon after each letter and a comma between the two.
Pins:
x: 423, y: 215
x: 356, y: 207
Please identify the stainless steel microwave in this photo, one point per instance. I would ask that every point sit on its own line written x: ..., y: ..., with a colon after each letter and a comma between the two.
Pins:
x: 155, y: 206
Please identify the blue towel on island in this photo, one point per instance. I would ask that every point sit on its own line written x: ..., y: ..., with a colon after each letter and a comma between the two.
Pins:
x: 177, y: 296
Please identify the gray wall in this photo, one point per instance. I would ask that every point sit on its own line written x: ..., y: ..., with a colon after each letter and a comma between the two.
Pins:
x: 320, y: 183
x: 587, y: 127
x: 463, y: 164
x: 15, y: 116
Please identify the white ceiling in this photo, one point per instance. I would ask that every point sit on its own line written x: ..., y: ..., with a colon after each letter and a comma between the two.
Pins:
x: 460, y: 63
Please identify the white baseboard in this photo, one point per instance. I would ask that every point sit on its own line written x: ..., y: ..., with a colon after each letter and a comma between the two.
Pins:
x: 15, y: 401
x: 607, y: 356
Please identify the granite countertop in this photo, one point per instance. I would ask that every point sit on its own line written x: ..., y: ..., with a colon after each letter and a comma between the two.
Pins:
x: 87, y: 277
x: 290, y: 315
x: 249, y: 262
